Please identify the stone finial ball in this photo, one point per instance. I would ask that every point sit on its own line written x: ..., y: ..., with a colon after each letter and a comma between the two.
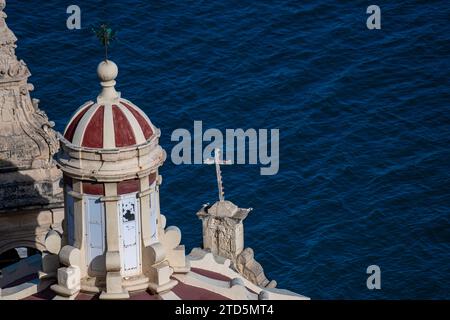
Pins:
x: 107, y: 71
x: 2, y: 4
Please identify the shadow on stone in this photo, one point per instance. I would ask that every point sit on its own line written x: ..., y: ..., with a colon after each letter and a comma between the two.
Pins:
x: 28, y: 201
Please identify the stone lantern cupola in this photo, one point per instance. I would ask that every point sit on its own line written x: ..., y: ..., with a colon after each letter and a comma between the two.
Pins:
x: 115, y: 237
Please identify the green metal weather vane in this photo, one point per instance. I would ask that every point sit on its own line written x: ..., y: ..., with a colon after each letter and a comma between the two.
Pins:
x: 105, y: 34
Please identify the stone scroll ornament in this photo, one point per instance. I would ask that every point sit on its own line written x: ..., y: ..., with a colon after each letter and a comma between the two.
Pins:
x: 27, y: 139
x: 32, y: 138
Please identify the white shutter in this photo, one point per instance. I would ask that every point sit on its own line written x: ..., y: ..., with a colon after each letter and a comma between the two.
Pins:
x: 128, y: 209
x: 95, y: 234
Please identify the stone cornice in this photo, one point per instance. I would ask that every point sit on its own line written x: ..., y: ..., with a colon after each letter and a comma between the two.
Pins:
x: 113, y: 165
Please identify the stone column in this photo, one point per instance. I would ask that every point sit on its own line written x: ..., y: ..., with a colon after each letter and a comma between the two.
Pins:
x: 111, y: 217
x: 146, y: 232
x: 65, y: 226
x: 73, y: 257
x: 114, y: 288
x: 79, y: 216
x: 144, y: 196
x: 159, y: 220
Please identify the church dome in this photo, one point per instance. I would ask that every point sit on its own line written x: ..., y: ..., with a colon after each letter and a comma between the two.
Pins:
x: 109, y: 126
x: 111, y: 122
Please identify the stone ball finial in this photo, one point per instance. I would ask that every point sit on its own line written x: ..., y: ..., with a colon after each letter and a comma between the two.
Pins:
x: 2, y: 5
x: 107, y: 70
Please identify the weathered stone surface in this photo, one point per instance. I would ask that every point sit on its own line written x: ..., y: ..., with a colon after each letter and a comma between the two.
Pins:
x: 70, y: 256
x: 28, y: 189
x: 175, y: 253
x: 223, y: 231
x: 31, y: 199
x: 50, y: 263
x: 28, y: 228
x: 160, y: 273
x: 53, y: 242
x: 69, y: 277
x: 114, y: 283
x: 113, y: 261
x: 252, y: 270
x: 223, y: 235
x: 28, y: 174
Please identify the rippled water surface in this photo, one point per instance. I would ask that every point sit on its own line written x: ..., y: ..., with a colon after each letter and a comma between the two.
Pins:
x: 363, y: 117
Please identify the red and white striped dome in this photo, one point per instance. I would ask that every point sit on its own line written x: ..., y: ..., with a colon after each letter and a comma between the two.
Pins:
x: 112, y: 122
x: 109, y: 126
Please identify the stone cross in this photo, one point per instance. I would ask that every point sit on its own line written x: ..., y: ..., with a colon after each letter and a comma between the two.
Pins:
x: 217, y: 161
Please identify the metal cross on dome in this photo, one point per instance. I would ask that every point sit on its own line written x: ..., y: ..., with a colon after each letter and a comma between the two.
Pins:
x: 106, y: 35
x: 217, y: 161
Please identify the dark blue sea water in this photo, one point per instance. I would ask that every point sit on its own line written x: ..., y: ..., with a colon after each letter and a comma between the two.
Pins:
x: 363, y: 116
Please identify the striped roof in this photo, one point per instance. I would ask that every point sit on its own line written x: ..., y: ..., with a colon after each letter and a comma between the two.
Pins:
x: 109, y: 125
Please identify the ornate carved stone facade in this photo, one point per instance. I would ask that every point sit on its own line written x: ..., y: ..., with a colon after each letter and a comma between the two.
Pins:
x: 223, y: 230
x: 30, y: 192
x: 223, y: 235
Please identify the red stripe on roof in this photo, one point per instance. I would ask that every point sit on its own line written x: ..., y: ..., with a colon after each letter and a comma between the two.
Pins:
x: 87, y: 296
x: 187, y: 292
x: 210, y: 274
x: 145, y: 126
x: 123, y: 131
x: 93, y: 135
x: 74, y: 124
x: 47, y: 294
x: 144, y: 295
